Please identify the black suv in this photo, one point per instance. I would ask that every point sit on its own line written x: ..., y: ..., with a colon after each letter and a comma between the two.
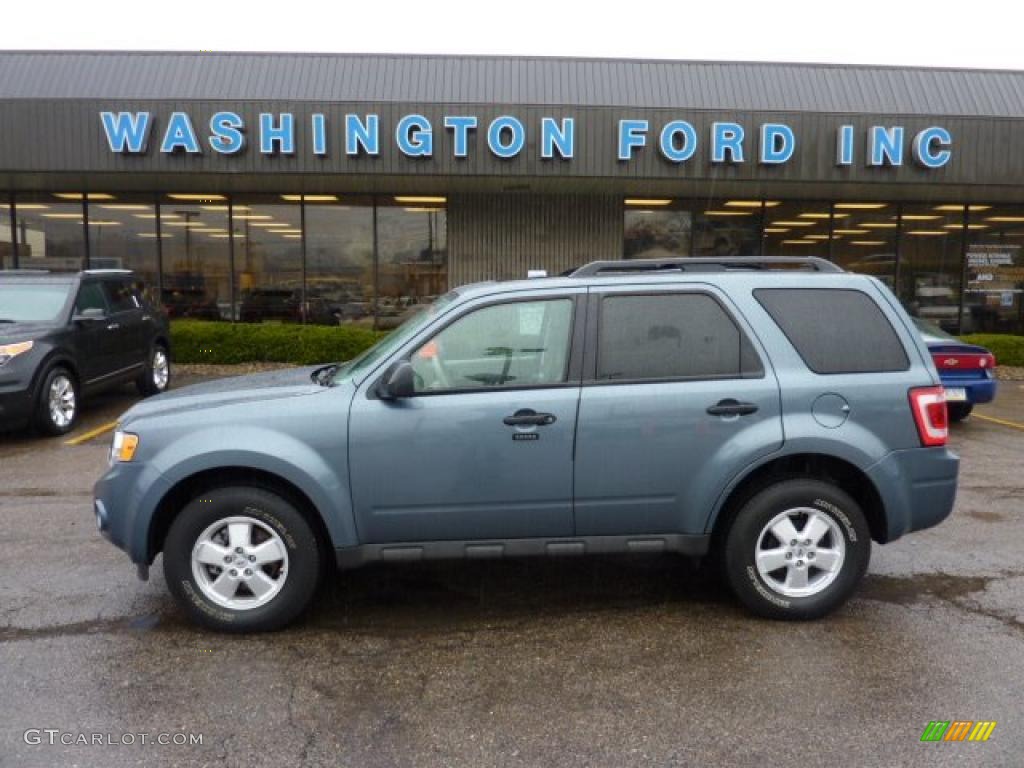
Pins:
x: 63, y: 335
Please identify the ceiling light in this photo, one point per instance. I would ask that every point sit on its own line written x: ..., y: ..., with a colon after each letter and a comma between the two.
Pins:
x: 423, y: 210
x: 728, y: 213
x: 1007, y: 219
x: 225, y: 208
x: 62, y: 215
x: 818, y: 215
x: 969, y: 226
x: 310, y: 198
x: 878, y: 225
x: 82, y: 196
x: 125, y: 207
x: 31, y: 206
x: 926, y: 232
x: 254, y: 216
x: 919, y: 217
x: 775, y: 230
x: 867, y: 242
x: 799, y: 242
x: 960, y: 207
x: 862, y: 206
x: 293, y: 237
x: 816, y: 237
x: 222, y: 236
x: 751, y: 203
x: 268, y: 224
x: 285, y: 231
x: 850, y: 231
x: 197, y: 197
x: 793, y: 224
x: 184, y: 224
x: 102, y: 223
x: 445, y: 200
x: 153, y: 234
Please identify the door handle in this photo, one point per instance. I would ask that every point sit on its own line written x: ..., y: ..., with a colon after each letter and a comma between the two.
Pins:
x: 113, y: 326
x: 529, y: 418
x: 730, y: 407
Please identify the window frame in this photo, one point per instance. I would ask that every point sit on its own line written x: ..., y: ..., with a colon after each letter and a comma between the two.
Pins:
x: 574, y: 360
x: 595, y: 317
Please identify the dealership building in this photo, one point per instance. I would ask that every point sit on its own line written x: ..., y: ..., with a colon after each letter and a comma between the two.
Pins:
x: 355, y: 188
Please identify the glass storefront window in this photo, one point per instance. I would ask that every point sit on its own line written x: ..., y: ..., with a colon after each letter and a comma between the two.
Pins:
x: 931, y: 263
x: 196, y: 257
x: 865, y: 238
x: 994, y: 288
x: 412, y: 248
x: 50, y: 231
x: 727, y: 228
x: 122, y: 235
x: 796, y: 228
x: 339, y: 259
x: 6, y: 235
x: 656, y: 228
x: 268, y: 259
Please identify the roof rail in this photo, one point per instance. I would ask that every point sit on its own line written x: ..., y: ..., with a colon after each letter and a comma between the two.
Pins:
x: 704, y: 264
x: 110, y: 271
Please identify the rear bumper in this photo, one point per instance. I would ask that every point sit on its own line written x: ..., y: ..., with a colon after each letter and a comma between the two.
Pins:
x: 917, y: 486
x: 978, y: 390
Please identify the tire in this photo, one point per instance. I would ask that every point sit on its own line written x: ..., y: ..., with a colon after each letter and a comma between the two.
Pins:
x: 289, y: 560
x: 846, y: 539
x: 57, y: 403
x: 959, y: 411
x: 156, y: 377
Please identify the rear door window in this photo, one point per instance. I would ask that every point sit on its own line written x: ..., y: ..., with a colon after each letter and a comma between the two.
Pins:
x: 671, y: 336
x: 835, y: 330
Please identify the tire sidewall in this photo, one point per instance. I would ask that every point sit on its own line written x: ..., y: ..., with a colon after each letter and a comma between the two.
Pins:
x: 146, y: 385
x: 270, y: 509
x: 43, y: 421
x: 959, y: 411
x: 741, y: 542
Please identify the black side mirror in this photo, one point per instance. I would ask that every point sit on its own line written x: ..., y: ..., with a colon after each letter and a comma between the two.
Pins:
x: 90, y: 315
x: 398, y: 382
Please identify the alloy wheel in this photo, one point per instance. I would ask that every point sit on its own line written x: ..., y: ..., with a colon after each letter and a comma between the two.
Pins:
x: 800, y: 552
x: 240, y: 563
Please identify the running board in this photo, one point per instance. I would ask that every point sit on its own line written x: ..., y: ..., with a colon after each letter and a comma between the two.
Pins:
x: 490, y: 549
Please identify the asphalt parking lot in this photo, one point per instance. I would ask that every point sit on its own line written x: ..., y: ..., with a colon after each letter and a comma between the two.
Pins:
x: 615, y: 662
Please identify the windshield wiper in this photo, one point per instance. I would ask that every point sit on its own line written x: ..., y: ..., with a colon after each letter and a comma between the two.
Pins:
x: 325, y: 374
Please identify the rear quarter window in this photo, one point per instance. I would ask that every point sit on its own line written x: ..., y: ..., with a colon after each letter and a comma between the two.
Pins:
x: 835, y: 330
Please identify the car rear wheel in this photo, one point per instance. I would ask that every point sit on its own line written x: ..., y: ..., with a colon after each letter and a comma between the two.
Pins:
x: 57, y: 404
x: 797, y: 550
x: 959, y: 411
x: 242, y: 559
x: 157, y: 375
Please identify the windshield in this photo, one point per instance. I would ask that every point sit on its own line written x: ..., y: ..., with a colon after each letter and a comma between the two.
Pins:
x: 32, y: 302
x: 396, y: 338
x: 932, y: 331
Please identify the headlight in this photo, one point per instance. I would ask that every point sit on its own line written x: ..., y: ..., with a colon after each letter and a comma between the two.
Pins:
x: 7, y: 351
x: 123, y: 446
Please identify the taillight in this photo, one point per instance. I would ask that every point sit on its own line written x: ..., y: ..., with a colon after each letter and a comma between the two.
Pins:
x: 929, y: 407
x: 968, y: 362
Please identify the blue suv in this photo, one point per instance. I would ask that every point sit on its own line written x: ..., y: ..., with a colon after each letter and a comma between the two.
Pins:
x: 778, y: 414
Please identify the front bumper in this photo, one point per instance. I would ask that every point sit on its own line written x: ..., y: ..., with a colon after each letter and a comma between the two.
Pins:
x: 917, y: 486
x: 15, y: 405
x: 124, y: 501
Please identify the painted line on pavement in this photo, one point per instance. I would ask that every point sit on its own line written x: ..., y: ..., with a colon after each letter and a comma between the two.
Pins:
x: 91, y: 434
x: 1004, y: 422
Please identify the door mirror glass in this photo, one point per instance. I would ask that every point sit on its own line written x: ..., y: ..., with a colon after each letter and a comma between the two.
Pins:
x: 89, y: 315
x: 397, y: 383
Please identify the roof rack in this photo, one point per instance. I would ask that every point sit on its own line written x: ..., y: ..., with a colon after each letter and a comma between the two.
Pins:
x: 704, y: 264
x: 24, y: 271
x: 107, y: 271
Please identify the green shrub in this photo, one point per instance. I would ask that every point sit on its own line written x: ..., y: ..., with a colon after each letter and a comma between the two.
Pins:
x: 1009, y: 350
x: 200, y: 341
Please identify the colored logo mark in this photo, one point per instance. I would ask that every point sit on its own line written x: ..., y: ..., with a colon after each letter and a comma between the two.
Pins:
x: 958, y: 730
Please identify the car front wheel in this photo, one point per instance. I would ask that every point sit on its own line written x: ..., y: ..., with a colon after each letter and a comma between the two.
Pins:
x: 797, y: 550
x: 57, y: 404
x: 242, y: 559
